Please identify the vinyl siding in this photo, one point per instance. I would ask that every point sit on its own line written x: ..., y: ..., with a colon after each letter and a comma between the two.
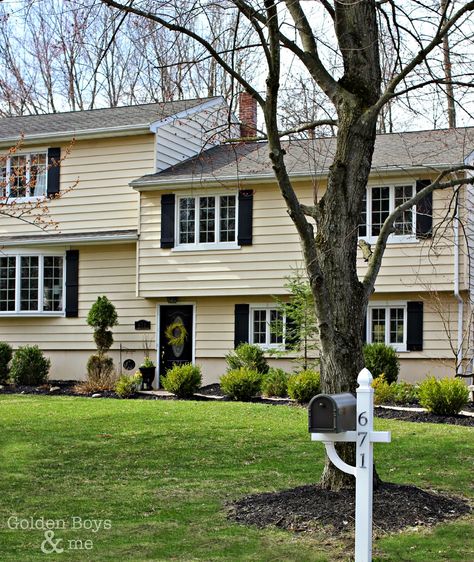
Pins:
x: 262, y: 268
x: 102, y: 199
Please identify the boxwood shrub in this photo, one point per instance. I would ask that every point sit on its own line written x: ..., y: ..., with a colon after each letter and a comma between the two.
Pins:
x: 241, y: 384
x: 304, y: 385
x: 380, y: 358
x: 29, y: 366
x: 183, y: 380
x: 445, y: 397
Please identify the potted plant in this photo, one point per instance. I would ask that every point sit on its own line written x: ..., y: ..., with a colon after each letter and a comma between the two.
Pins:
x: 147, y: 369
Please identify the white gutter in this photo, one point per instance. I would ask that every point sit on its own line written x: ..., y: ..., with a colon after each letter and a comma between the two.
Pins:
x: 459, y: 354
x: 59, y: 241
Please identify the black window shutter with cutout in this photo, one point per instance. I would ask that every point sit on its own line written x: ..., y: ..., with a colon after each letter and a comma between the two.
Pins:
x: 72, y: 283
x: 167, y: 220
x: 415, y: 326
x: 244, y: 237
x: 424, y: 212
x: 54, y: 166
x: 241, y: 328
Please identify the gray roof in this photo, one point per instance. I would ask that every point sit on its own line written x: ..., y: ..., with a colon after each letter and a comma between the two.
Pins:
x: 403, y: 151
x: 92, y: 120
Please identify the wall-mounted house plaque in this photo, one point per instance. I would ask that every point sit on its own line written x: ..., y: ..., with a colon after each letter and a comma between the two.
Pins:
x: 142, y: 325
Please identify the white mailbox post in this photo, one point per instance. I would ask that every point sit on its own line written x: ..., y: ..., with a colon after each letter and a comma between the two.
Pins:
x: 364, y: 436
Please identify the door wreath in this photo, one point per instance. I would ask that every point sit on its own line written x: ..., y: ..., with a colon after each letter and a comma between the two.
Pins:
x: 176, y: 333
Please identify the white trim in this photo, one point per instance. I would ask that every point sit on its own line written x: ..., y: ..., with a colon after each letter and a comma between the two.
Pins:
x: 158, y: 329
x: 266, y: 346
x: 387, y: 306
x: 187, y: 113
x: 85, y: 239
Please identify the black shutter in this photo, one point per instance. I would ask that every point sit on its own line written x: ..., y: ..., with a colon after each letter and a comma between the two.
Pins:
x: 54, y: 165
x: 72, y: 283
x: 167, y: 220
x: 244, y: 237
x: 241, y: 330
x: 424, y: 212
x: 415, y: 326
x: 292, y: 334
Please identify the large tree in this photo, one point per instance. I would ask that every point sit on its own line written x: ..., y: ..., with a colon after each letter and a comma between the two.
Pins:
x: 338, y: 46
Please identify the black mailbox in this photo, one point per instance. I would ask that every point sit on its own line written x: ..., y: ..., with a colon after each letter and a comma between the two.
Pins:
x: 332, y: 413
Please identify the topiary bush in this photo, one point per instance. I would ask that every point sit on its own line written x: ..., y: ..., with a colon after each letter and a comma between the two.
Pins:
x: 183, y: 380
x: 102, y: 316
x: 275, y: 383
x: 445, y: 397
x: 304, y: 385
x: 241, y: 384
x: 29, y: 365
x: 6, y: 353
x: 128, y: 385
x: 380, y: 358
x: 248, y: 356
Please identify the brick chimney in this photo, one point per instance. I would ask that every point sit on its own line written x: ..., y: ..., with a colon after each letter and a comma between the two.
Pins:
x: 247, y: 115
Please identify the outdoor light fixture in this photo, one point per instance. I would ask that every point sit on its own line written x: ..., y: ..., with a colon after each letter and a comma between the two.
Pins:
x: 172, y: 300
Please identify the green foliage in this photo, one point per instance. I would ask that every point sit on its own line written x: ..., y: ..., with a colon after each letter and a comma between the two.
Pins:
x: 241, y: 384
x: 380, y: 358
x: 183, y: 380
x: 147, y: 363
x: 128, y: 385
x: 304, y: 385
x: 404, y: 393
x: 100, y: 372
x: 445, y: 397
x: 29, y: 365
x: 275, y: 383
x: 6, y: 353
x: 301, y: 326
x: 102, y: 316
x: 383, y: 391
x: 247, y: 356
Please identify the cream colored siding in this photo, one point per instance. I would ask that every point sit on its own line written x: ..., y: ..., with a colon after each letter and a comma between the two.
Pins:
x: 262, y: 267
x: 102, y: 199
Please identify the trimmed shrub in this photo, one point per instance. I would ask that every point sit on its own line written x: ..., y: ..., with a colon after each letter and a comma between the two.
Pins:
x: 6, y: 353
x: 102, y: 316
x: 404, y: 393
x: 183, y: 380
x: 275, y: 383
x: 380, y: 358
x: 29, y: 366
x: 304, y: 385
x: 128, y: 385
x: 383, y: 392
x: 445, y: 397
x: 241, y: 384
x: 247, y: 356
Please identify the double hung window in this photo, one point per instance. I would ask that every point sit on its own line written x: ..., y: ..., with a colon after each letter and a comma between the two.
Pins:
x: 23, y: 175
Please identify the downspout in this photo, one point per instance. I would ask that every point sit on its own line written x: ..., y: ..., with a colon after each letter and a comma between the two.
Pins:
x: 459, y: 353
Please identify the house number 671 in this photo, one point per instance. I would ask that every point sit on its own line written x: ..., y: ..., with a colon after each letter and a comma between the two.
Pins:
x: 362, y: 420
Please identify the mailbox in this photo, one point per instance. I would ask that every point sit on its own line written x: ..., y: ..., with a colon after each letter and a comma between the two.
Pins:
x: 332, y: 413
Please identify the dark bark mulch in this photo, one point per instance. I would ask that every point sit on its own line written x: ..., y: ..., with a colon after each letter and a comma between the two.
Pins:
x: 310, y: 508
x: 425, y: 417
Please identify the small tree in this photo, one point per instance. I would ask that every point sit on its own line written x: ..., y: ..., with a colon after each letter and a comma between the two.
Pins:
x: 102, y: 316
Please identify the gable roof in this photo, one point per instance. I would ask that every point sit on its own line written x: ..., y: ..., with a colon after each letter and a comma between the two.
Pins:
x: 430, y: 150
x: 114, y: 120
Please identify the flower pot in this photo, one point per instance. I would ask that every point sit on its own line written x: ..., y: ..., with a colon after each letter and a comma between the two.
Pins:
x: 148, y: 376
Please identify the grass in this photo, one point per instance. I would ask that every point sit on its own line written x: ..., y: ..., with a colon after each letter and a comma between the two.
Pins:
x: 160, y: 471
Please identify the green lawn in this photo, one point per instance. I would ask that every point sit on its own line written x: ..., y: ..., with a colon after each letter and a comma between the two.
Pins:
x: 161, y: 471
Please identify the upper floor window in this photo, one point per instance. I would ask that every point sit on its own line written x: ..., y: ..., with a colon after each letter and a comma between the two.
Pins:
x: 379, y: 203
x: 204, y: 221
x: 31, y: 284
x: 267, y: 327
x: 23, y: 175
x: 388, y: 325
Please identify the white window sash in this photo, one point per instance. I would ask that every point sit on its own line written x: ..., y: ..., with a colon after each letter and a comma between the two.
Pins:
x: 387, y: 307
x: 267, y: 344
x: 27, y: 196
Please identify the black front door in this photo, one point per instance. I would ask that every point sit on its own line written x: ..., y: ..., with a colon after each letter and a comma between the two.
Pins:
x: 176, y: 336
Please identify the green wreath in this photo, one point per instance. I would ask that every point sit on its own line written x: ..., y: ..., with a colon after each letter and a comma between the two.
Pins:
x: 176, y: 333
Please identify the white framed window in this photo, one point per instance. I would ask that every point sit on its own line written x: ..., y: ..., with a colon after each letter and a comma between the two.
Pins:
x: 32, y: 285
x: 379, y: 203
x: 267, y: 327
x: 23, y: 176
x: 387, y: 323
x: 207, y: 221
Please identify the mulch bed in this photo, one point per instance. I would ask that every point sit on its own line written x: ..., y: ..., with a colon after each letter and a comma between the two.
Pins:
x: 424, y: 417
x: 310, y: 508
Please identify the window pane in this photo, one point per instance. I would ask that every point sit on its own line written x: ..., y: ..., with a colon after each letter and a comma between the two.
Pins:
x: 7, y: 283
x: 276, y: 327
x: 207, y: 222
x: 3, y: 176
x: 29, y: 283
x: 397, y: 316
x: 37, y: 183
x: 187, y: 220
x: 378, y: 325
x: 53, y: 283
x: 227, y: 218
x: 363, y: 218
x: 18, y: 176
x: 404, y: 225
x: 380, y: 208
x: 259, y: 326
